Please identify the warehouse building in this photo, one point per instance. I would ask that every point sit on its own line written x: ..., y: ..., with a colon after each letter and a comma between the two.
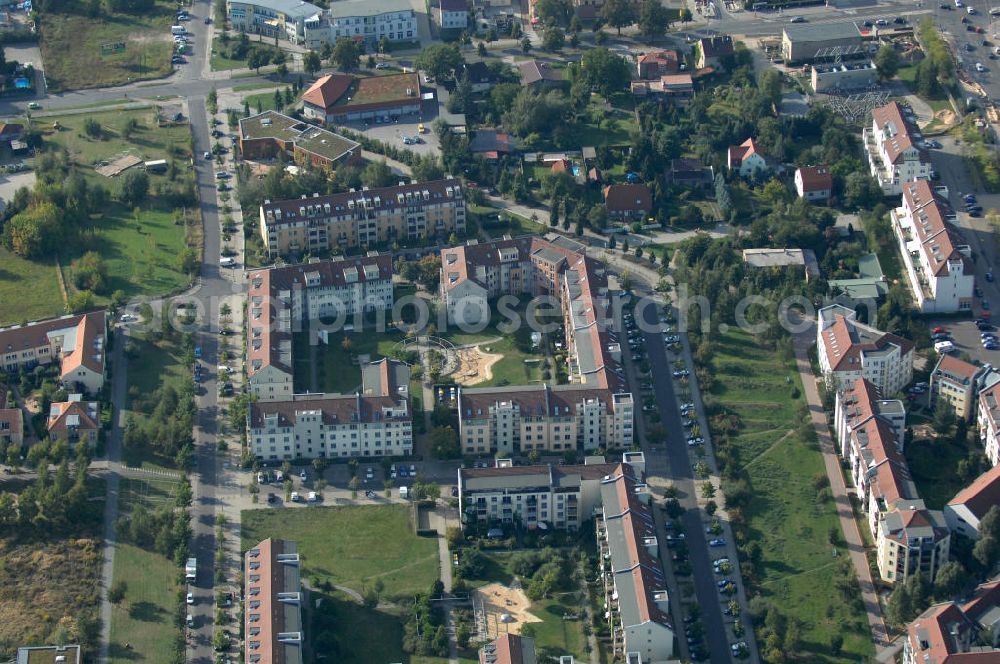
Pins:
x: 804, y: 42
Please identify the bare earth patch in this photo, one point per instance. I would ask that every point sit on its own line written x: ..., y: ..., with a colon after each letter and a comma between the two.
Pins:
x: 505, y: 609
x: 474, y: 365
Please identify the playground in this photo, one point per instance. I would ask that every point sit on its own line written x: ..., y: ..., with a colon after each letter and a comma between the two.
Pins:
x: 474, y: 365
x: 500, y: 609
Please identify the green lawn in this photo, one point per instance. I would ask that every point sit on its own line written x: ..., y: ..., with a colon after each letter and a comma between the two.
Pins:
x: 932, y: 466
x: 16, y: 274
x: 145, y: 619
x: 260, y: 102
x: 151, y: 366
x: 337, y: 369
x: 352, y: 546
x: 219, y: 62
x: 512, y: 369
x: 152, y: 493
x: 142, y: 258
x: 784, y: 516
x: 564, y: 636
x: 71, y: 42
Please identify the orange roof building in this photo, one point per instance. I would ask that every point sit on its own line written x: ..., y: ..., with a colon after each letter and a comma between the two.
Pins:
x: 77, y: 342
x: 74, y: 420
x: 273, y: 597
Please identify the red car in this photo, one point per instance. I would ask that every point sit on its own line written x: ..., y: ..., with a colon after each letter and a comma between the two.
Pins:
x: 938, y: 330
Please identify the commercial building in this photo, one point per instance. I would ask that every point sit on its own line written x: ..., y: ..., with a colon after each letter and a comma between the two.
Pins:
x: 74, y: 420
x: 284, y: 19
x: 364, y: 218
x: 849, y: 350
x: 453, y: 14
x: 635, y: 588
x: 49, y: 655
x: 747, y: 159
x: 282, y: 300
x: 272, y: 590
x: 813, y: 183
x: 844, y: 76
x: 77, y: 342
x: 509, y: 649
x: 964, y: 512
x: 342, y: 98
x: 893, y: 147
x: 988, y: 422
x: 270, y: 134
x: 803, y: 42
x: 594, y: 409
x: 937, y: 261
x: 957, y: 382
x: 962, y: 632
x: 563, y: 497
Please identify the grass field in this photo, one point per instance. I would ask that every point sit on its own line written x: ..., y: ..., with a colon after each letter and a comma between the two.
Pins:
x: 784, y: 516
x: 16, y: 274
x: 261, y: 100
x: 142, y: 258
x: 337, y: 369
x: 932, y: 466
x: 145, y: 619
x: 352, y: 546
x: 512, y: 369
x: 71, y: 41
x: 154, y: 365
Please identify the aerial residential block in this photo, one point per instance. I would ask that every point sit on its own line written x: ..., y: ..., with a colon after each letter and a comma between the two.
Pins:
x: 76, y: 342
x: 958, y: 383
x: 274, y: 598
x: 963, y: 632
x: 894, y: 153
x: 964, y: 512
x: 849, y: 350
x: 364, y: 218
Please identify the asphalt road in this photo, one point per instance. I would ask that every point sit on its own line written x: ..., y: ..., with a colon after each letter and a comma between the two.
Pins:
x: 683, y: 479
x: 968, y: 47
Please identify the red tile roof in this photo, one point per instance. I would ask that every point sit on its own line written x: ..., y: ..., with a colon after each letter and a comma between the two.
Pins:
x: 737, y: 153
x: 939, y: 240
x: 628, y: 198
x: 889, y: 119
x: 982, y: 494
x: 509, y: 649
x: 325, y: 92
x: 815, y: 178
x: 87, y: 414
x: 844, y: 345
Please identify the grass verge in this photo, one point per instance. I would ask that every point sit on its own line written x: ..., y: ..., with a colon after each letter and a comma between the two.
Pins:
x: 145, y: 618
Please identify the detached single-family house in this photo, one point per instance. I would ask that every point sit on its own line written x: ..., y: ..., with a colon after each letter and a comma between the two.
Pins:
x: 536, y: 74
x: 672, y: 88
x: 481, y: 77
x: 628, y: 202
x: 711, y: 50
x: 814, y: 183
x: 74, y: 420
x: 492, y: 143
x: 747, y: 158
x: 689, y: 172
x: 658, y: 63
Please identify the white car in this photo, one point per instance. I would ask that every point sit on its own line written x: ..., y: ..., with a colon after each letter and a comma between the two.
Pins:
x: 979, y: 67
x: 190, y: 598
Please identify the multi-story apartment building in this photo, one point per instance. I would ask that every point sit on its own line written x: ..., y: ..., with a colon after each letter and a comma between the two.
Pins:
x: 371, y: 20
x: 453, y: 14
x: 563, y: 496
x: 594, y: 409
x: 891, y: 144
x: 859, y: 403
x: 77, y: 342
x: 937, y: 261
x: 957, y: 632
x: 11, y: 422
x: 958, y: 383
x: 75, y: 420
x: 282, y: 300
x: 270, y: 134
x: 635, y: 588
x: 284, y: 19
x: 912, y: 540
x: 849, y: 350
x: 988, y: 421
x: 964, y: 512
x: 272, y: 590
x: 362, y: 218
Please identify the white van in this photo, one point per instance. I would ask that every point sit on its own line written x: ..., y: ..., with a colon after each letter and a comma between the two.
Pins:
x: 312, y: 498
x: 295, y: 496
x: 178, y: 30
x: 995, y: 11
x: 944, y: 347
x: 227, y: 261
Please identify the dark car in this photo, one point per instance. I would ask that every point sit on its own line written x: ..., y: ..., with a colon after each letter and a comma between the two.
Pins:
x: 899, y: 20
x: 271, y: 498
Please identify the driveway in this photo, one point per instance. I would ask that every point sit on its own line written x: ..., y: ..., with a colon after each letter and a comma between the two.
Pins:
x: 11, y: 182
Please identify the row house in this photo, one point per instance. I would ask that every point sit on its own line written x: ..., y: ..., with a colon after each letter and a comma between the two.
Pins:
x: 964, y: 512
x: 635, y: 589
x: 937, y: 260
x: 273, y: 596
x: 74, y: 420
x: 285, y: 300
x: 849, y: 350
x: 362, y: 218
x: 964, y: 631
x: 893, y: 145
x: 77, y: 342
x: 374, y: 422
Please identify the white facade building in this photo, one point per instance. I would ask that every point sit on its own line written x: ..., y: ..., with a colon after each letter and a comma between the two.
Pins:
x: 285, y: 19
x: 453, y: 14
x: 892, y: 144
x: 372, y: 20
x: 964, y: 512
x: 988, y: 422
x: 939, y: 269
x: 849, y: 350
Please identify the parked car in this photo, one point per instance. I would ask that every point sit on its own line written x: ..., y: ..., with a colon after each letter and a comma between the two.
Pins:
x: 717, y: 542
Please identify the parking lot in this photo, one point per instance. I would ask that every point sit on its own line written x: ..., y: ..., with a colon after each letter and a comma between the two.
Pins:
x: 393, y: 133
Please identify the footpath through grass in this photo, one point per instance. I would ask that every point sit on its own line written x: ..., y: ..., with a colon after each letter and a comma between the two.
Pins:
x: 788, y: 514
x: 71, y: 40
x: 352, y: 546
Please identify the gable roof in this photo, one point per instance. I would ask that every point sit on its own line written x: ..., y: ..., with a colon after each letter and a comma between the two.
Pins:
x: 81, y: 339
x: 815, y: 178
x: 713, y: 47
x: 477, y: 72
x: 737, y: 153
x: 454, y: 5
x: 897, y: 130
x: 325, y: 92
x: 938, y: 240
x: 847, y: 341
x: 74, y: 414
x: 534, y: 71
x: 982, y: 494
x: 956, y: 370
x: 628, y: 197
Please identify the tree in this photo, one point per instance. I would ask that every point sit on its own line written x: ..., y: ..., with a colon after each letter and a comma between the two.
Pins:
x: 257, y: 58
x: 951, y: 579
x: 604, y: 70
x: 618, y: 14
x: 481, y: 50
x: 654, y: 18
x: 553, y: 39
x: 944, y: 416
x: 117, y: 592
x: 861, y: 191
x: 552, y: 12
x: 134, y: 187
x: 525, y: 45
x: 311, y: 62
x: 212, y: 101
x: 35, y: 232
x: 90, y: 272
x: 377, y: 174
x: 685, y: 15
x: 346, y: 54
x: 887, y: 62
x: 444, y: 443
x: 554, y: 213
x: 439, y: 60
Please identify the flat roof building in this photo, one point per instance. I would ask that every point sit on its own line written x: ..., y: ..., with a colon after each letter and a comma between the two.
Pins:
x: 802, y: 42
x: 269, y: 134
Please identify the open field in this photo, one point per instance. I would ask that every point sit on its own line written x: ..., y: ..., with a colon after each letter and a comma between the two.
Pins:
x: 512, y: 369
x: 141, y: 252
x: 337, y: 369
x: 145, y: 619
x: 352, y: 546
x: 785, y: 516
x: 15, y: 275
x: 71, y: 42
